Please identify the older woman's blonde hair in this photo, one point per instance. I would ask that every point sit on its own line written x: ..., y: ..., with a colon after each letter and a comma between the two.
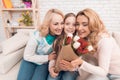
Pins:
x: 44, y: 27
x: 95, y: 25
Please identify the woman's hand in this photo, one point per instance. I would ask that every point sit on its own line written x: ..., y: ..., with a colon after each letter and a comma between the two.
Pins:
x: 52, y: 56
x: 77, y: 62
x: 52, y: 73
x: 66, y: 66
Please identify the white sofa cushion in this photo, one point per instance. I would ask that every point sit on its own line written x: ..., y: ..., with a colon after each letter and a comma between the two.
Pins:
x: 12, y: 74
x: 0, y: 49
x: 14, y: 43
x: 8, y: 61
x: 116, y: 36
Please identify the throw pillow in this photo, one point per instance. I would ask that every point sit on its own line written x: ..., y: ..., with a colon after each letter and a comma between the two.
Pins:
x: 0, y: 49
x: 14, y: 43
x: 116, y: 35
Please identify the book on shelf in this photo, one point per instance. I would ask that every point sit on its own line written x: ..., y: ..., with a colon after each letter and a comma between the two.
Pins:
x: 7, y: 3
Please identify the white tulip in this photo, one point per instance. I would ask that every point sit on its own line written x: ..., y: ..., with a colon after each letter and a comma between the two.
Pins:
x: 76, y: 45
x: 76, y: 38
x: 90, y: 48
x: 69, y: 35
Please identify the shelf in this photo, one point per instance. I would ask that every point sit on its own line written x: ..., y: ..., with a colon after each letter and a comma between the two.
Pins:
x: 19, y: 9
x: 13, y: 14
x: 21, y: 27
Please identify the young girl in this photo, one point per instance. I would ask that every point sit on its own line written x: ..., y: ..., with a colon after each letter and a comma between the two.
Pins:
x: 34, y: 66
x: 69, y: 27
x: 107, y: 51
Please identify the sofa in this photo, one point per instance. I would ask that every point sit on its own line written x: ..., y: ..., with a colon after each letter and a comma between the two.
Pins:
x: 11, y: 53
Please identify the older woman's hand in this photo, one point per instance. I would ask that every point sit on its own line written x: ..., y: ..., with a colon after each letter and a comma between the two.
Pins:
x: 66, y: 66
x: 52, y: 56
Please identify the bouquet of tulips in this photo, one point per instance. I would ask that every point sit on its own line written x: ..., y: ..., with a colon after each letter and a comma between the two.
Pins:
x: 73, y: 47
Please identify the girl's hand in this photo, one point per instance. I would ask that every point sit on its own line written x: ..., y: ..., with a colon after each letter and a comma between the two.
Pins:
x: 52, y: 73
x: 66, y: 66
x: 77, y: 62
x: 52, y: 56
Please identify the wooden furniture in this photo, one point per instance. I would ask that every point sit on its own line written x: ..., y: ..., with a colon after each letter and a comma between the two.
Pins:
x: 10, y: 17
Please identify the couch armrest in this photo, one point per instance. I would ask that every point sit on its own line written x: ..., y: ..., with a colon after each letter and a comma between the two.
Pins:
x: 12, y: 74
x: 116, y: 36
x: 0, y: 49
x: 8, y: 61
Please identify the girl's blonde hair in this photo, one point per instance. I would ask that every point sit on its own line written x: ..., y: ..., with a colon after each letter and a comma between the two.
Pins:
x: 44, y: 28
x: 95, y: 25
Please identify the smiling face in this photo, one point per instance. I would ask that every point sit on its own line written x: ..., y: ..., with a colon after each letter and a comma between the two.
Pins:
x: 69, y: 25
x: 82, y: 25
x: 56, y: 24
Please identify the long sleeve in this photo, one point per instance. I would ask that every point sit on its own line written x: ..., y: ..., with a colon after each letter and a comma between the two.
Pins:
x: 51, y: 63
x: 30, y: 52
x: 104, y: 53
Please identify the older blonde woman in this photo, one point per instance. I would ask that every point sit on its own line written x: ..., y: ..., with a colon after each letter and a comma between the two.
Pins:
x: 34, y: 66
